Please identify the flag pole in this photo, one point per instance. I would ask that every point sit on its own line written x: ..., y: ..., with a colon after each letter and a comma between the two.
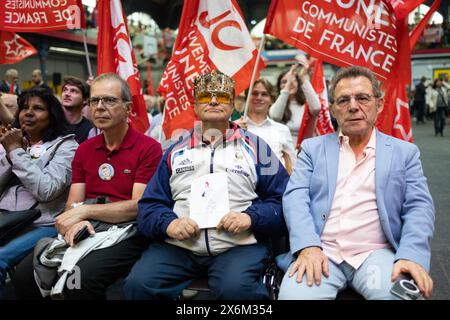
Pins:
x: 250, y: 89
x: 162, y: 122
x: 83, y: 32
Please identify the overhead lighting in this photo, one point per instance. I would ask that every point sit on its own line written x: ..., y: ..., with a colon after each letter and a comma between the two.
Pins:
x: 253, y: 22
x: 70, y: 51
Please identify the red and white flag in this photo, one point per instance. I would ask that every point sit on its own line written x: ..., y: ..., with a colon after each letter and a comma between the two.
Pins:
x: 41, y: 15
x: 322, y: 123
x: 395, y: 119
x: 344, y: 33
x: 14, y: 48
x: 212, y: 35
x: 115, y: 54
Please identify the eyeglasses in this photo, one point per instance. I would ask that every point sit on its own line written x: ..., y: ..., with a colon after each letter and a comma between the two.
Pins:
x: 360, y: 98
x: 107, y: 101
x: 221, y: 97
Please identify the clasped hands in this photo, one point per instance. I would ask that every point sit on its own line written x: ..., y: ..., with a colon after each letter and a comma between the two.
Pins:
x: 12, y: 138
x: 186, y: 228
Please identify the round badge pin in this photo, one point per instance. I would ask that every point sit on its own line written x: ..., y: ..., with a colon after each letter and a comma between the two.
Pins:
x: 106, y: 171
x: 37, y: 150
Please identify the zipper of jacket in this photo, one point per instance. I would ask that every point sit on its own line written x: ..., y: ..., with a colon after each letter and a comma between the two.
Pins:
x: 211, y: 170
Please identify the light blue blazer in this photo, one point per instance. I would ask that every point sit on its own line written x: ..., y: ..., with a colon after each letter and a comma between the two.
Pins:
x: 404, y: 202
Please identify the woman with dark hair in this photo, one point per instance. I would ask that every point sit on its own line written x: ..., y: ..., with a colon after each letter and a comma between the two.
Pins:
x: 35, y: 171
x: 295, y: 90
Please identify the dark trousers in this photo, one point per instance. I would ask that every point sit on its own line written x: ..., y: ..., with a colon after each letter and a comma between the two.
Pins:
x: 439, y: 120
x: 164, y: 270
x: 420, y: 111
x: 98, y: 270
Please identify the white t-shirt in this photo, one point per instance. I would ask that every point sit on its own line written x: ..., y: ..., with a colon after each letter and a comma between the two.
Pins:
x: 277, y: 136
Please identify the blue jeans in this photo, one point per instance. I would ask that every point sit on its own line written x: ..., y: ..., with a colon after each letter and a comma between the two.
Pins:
x: 15, y: 250
x: 372, y: 280
x: 164, y: 270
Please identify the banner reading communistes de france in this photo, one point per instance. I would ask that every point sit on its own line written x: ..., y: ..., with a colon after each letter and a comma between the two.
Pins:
x: 41, y: 15
x: 344, y: 33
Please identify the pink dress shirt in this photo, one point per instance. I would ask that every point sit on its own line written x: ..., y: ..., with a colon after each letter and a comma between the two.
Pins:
x: 353, y: 229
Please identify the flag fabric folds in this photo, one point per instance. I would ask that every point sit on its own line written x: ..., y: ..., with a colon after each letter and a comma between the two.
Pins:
x: 374, y: 35
x: 321, y: 124
x: 41, y: 15
x: 395, y: 119
x: 344, y: 33
x: 115, y: 54
x: 14, y: 48
x: 212, y: 35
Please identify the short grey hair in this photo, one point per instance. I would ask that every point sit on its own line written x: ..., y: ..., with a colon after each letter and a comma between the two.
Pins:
x: 11, y: 72
x: 124, y: 88
x: 354, y: 72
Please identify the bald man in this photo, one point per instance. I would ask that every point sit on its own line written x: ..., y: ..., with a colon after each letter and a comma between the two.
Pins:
x: 36, y: 78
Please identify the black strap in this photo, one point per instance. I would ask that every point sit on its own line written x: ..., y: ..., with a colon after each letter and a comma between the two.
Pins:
x: 442, y: 96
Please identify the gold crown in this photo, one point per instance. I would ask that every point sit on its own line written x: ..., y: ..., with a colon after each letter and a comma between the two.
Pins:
x: 215, y: 81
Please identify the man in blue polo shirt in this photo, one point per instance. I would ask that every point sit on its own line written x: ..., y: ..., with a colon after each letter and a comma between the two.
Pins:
x: 116, y: 164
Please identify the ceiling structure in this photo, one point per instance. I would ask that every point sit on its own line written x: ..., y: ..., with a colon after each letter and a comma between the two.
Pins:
x: 167, y: 13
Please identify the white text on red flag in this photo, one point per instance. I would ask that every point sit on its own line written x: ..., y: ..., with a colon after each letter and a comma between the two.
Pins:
x: 41, y: 15
x: 345, y: 33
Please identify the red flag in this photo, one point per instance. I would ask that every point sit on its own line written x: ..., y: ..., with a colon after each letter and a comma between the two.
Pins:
x: 41, y: 15
x: 418, y: 30
x: 306, y: 126
x: 115, y: 54
x: 212, y: 35
x: 403, y: 7
x: 322, y: 123
x: 395, y: 119
x: 344, y: 33
x: 395, y: 113
x: 14, y: 48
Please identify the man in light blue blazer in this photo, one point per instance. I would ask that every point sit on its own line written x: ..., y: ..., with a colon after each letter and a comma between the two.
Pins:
x: 357, y: 206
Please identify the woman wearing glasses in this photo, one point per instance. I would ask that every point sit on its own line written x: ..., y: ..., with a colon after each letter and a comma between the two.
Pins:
x: 35, y: 171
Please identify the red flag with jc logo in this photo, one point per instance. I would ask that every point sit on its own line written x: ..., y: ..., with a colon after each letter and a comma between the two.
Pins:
x: 212, y: 35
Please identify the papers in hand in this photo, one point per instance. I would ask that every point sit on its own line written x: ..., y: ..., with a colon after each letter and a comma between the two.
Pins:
x: 209, y: 199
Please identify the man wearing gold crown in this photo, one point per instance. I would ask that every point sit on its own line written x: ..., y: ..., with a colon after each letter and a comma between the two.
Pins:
x: 211, y: 207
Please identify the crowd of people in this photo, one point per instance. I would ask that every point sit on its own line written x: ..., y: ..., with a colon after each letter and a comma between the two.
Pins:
x: 115, y: 203
x: 431, y: 100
